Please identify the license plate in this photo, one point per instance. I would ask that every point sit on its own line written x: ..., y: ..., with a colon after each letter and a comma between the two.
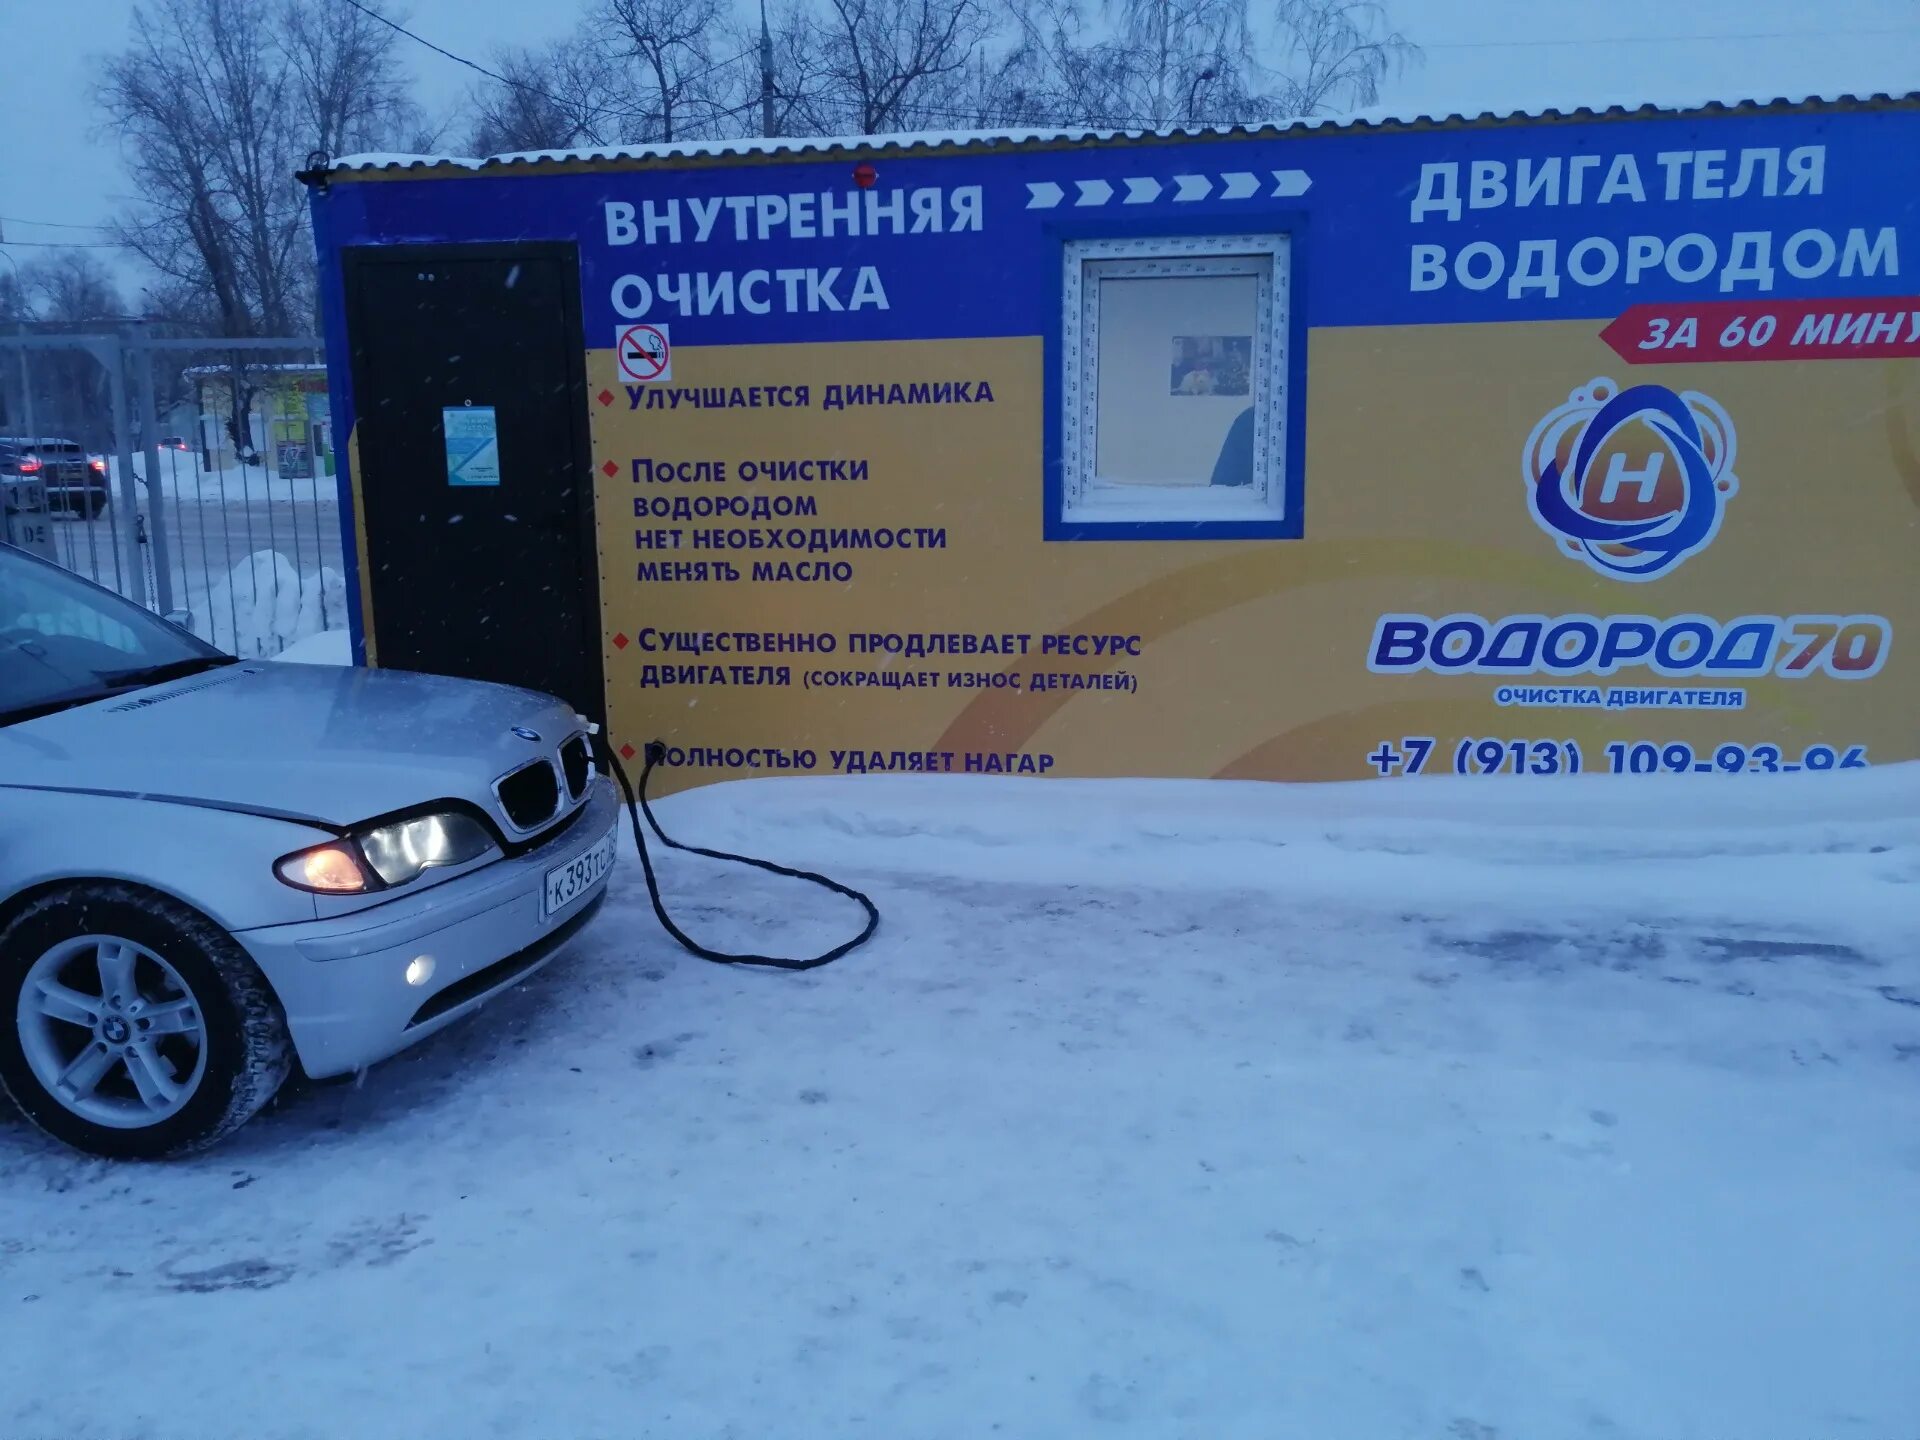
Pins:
x: 567, y: 883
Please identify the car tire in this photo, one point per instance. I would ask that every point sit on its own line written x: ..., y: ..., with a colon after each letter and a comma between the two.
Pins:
x: 137, y: 1092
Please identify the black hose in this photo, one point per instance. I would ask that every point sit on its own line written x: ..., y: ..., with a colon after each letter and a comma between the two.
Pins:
x: 637, y: 806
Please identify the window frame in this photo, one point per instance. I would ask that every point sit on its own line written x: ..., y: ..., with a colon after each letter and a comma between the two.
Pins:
x: 1073, y: 379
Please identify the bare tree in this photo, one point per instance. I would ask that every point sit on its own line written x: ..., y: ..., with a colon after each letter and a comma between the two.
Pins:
x: 864, y: 67
x: 178, y: 307
x: 638, y: 71
x: 71, y: 287
x: 202, y: 126
x: 14, y: 307
x: 1333, y: 54
x: 997, y: 88
x: 889, y: 65
x: 632, y: 72
x: 1151, y: 63
x: 1173, y: 51
x: 217, y: 102
x: 14, y: 376
x: 64, y: 291
x: 668, y: 45
x: 350, y: 88
x: 556, y: 97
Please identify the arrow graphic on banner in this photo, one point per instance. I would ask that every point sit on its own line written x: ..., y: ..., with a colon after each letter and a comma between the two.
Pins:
x: 1146, y: 189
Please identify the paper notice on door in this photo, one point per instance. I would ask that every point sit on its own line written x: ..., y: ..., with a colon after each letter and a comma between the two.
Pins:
x: 473, y: 445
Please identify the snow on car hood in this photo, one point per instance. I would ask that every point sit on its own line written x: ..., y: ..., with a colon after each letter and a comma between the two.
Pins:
x: 339, y: 745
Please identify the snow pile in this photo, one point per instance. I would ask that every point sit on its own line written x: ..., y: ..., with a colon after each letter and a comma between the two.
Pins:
x: 329, y: 647
x: 1452, y: 1109
x: 265, y: 604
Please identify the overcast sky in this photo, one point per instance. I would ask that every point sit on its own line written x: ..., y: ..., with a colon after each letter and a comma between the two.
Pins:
x: 55, y: 165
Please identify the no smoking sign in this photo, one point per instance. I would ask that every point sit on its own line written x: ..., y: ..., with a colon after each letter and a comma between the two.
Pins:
x: 644, y: 353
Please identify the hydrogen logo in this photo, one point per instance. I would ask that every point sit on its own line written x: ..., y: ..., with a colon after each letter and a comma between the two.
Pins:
x: 1631, y: 481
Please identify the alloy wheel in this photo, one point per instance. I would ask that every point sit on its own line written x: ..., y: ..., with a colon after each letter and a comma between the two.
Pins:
x: 111, y: 1031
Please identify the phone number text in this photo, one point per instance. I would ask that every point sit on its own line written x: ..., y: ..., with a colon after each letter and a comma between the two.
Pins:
x: 1422, y: 754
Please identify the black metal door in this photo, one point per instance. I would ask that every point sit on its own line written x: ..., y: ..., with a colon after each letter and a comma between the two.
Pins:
x: 481, y: 560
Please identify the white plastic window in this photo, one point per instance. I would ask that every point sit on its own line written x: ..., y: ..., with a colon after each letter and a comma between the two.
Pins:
x: 1175, y: 363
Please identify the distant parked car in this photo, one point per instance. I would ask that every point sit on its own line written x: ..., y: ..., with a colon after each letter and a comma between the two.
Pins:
x: 173, y: 442
x: 76, y: 481
x: 213, y: 870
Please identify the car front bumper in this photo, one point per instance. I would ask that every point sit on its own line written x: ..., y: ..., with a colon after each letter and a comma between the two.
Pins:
x: 71, y: 492
x: 343, y: 982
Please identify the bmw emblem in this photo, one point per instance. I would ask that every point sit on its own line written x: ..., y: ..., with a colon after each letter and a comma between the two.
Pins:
x: 525, y: 734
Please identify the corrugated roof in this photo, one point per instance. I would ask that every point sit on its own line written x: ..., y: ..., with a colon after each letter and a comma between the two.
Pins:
x: 949, y: 141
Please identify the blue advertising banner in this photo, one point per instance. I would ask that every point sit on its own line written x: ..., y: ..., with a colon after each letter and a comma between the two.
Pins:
x: 1521, y: 222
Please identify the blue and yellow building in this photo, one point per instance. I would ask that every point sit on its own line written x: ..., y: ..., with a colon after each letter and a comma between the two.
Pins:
x: 1516, y: 444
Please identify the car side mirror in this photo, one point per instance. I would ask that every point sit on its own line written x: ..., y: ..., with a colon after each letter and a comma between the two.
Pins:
x: 181, y: 618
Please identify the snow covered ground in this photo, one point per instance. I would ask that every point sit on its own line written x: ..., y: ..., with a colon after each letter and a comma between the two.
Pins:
x: 181, y: 475
x: 1456, y: 1108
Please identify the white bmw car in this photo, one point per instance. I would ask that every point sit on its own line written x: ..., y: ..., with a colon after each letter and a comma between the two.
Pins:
x: 213, y: 870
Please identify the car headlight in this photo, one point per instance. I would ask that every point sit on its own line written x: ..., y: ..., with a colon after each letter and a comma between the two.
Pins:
x: 331, y: 869
x: 400, y: 851
x: 382, y: 856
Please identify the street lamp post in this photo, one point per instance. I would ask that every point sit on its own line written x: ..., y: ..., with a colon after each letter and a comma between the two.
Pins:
x: 766, y: 74
x: 1194, y: 89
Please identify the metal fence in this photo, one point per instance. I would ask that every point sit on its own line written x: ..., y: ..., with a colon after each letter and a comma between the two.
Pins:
x: 210, y: 481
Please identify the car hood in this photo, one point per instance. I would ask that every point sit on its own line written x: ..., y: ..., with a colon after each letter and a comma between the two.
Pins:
x: 324, y: 742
